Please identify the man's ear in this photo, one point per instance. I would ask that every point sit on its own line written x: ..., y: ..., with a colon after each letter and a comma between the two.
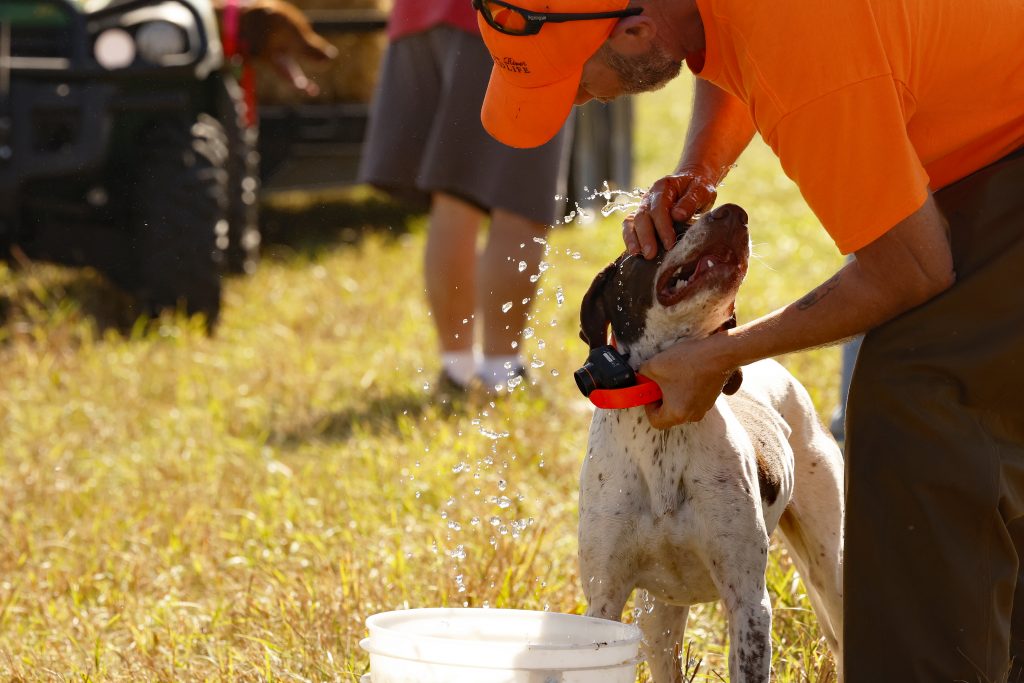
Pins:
x: 594, y: 319
x: 633, y: 35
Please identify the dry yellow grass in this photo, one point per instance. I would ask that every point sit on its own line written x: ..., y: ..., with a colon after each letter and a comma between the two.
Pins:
x: 176, y: 507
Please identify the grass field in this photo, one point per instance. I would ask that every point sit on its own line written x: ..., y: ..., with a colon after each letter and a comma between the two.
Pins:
x: 177, y: 507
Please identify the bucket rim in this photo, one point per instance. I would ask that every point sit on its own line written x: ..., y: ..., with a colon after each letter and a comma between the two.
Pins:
x: 367, y: 646
x: 388, y: 639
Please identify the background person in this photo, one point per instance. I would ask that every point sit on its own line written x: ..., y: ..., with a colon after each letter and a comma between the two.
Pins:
x: 425, y: 137
x: 902, y: 122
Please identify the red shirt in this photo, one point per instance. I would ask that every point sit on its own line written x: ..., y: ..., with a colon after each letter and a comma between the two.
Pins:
x: 414, y: 16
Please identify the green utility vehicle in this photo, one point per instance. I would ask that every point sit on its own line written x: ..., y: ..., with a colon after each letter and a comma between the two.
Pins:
x: 124, y: 146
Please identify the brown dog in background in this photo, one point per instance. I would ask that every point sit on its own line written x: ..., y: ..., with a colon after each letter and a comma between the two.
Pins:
x: 278, y: 33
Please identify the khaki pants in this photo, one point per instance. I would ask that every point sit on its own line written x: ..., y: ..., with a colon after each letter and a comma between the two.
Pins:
x: 935, y: 461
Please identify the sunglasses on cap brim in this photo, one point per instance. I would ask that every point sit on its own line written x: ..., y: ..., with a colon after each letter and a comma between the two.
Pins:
x: 516, y: 21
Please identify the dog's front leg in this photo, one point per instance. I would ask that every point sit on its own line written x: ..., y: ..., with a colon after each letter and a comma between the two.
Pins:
x: 750, y: 637
x: 738, y: 559
x: 663, y: 629
x: 606, y: 576
x: 608, y: 504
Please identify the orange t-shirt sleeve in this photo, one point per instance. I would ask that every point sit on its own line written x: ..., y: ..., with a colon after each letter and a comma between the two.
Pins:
x: 849, y: 153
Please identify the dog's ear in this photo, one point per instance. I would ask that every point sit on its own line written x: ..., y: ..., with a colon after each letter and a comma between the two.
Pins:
x: 732, y: 385
x: 594, y: 319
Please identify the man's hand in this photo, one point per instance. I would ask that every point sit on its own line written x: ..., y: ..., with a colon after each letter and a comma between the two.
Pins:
x: 691, y: 376
x: 673, y: 199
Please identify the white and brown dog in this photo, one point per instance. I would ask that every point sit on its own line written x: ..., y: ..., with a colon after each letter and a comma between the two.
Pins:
x: 686, y: 513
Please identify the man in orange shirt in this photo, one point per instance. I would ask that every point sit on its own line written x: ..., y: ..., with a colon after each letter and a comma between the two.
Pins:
x: 902, y: 122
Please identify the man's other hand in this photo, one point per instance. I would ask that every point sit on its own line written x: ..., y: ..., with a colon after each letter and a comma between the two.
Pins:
x: 673, y: 199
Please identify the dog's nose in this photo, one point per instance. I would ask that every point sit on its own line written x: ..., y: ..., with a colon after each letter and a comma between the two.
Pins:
x: 727, y: 211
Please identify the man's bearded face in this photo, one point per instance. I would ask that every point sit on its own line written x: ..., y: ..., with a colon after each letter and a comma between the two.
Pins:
x: 641, y: 73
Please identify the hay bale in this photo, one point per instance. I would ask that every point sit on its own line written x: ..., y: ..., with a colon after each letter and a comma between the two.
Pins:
x: 351, y: 77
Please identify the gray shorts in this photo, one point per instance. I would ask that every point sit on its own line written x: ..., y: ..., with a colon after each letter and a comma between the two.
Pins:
x: 425, y: 134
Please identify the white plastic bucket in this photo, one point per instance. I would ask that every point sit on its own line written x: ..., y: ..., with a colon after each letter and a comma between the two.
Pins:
x: 498, y: 646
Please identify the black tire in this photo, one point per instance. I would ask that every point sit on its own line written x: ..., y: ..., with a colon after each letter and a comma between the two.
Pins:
x: 178, y: 210
x: 242, y: 251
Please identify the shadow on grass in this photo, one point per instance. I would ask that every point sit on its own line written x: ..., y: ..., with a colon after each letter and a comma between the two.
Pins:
x: 300, y: 222
x: 56, y: 294
x: 374, y: 417
x: 306, y: 222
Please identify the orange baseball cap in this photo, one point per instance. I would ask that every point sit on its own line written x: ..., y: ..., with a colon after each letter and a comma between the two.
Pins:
x: 535, y: 78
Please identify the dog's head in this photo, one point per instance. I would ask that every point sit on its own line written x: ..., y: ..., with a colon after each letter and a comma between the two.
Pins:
x: 686, y: 292
x: 278, y: 33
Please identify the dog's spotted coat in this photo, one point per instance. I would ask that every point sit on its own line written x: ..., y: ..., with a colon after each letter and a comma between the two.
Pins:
x: 686, y: 513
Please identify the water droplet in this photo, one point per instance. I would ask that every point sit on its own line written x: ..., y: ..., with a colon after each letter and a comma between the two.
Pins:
x: 537, y: 363
x: 554, y: 373
x: 506, y: 307
x: 522, y: 266
x: 461, y: 467
x: 528, y: 333
x: 504, y: 502
x: 559, y: 296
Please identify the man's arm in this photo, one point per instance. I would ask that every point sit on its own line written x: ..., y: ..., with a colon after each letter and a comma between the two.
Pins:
x: 906, y: 266
x: 720, y: 129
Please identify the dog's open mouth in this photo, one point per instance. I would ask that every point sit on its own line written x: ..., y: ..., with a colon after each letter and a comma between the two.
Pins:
x: 676, y: 284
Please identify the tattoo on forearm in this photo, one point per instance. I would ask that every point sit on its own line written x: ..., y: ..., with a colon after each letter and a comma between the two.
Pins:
x: 819, y: 293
